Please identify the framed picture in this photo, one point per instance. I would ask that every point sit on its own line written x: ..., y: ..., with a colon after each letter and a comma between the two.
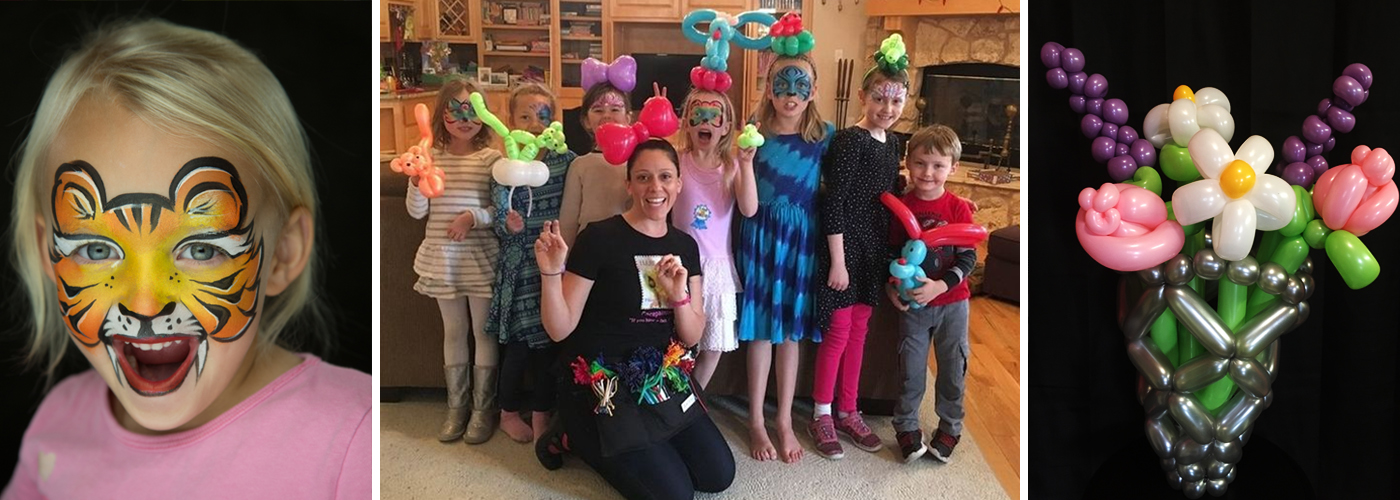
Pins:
x: 483, y: 75
x: 500, y: 79
x: 510, y: 14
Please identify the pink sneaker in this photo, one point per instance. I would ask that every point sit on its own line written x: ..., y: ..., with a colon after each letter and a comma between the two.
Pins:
x: 860, y: 434
x: 823, y: 431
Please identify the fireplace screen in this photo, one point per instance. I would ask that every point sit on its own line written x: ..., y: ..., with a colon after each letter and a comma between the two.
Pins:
x: 981, y: 102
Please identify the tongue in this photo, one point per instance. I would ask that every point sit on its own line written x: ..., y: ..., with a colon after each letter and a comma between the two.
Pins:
x: 159, y: 365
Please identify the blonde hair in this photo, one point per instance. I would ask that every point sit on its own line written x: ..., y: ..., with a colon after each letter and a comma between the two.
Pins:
x: 726, y: 143
x: 185, y: 82
x: 449, y: 91
x: 532, y: 88
x: 937, y: 138
x: 812, y: 128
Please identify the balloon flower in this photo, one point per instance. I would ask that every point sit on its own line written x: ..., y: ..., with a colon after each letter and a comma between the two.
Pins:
x: 751, y: 138
x: 1236, y: 193
x: 1125, y: 227
x: 418, y: 160
x: 519, y: 167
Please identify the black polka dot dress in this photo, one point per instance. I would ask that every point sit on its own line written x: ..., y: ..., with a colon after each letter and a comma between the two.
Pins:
x: 856, y: 170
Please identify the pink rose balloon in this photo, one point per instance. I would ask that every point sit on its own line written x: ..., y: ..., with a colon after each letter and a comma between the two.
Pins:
x: 1125, y: 227
x: 1360, y: 196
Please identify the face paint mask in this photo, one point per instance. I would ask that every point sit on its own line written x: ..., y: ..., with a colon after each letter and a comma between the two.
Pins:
x: 792, y: 81
x: 891, y: 91
x: 544, y: 113
x: 459, y: 111
x: 707, y: 113
x: 152, y: 278
x: 609, y: 100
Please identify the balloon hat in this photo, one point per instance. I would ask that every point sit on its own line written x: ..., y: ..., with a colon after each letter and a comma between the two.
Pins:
x: 724, y: 29
x: 520, y: 168
x: 789, y: 39
x: 1206, y: 370
x: 418, y: 160
x: 621, y: 74
x: 890, y: 59
x: 657, y: 120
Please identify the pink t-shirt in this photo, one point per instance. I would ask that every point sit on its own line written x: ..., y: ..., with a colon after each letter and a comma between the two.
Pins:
x: 307, y: 434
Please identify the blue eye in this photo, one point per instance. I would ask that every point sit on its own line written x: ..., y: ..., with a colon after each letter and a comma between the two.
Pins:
x: 199, y: 252
x: 97, y: 251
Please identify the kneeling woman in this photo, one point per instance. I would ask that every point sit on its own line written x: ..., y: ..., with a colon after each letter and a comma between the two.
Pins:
x: 626, y: 320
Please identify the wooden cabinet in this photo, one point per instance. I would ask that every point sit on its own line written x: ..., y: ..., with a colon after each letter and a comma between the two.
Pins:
x: 420, y: 12
x: 645, y: 10
x: 728, y: 6
x: 397, y: 126
x: 457, y: 20
x: 956, y: 7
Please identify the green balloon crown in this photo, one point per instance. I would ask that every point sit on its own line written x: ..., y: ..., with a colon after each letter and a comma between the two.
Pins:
x: 892, y: 58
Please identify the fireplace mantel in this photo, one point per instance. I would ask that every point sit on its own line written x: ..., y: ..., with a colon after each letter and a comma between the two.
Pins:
x: 940, y: 7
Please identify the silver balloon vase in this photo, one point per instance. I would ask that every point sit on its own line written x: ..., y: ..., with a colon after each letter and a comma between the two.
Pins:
x: 1199, y: 447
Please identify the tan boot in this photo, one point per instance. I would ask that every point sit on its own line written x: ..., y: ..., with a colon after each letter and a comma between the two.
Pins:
x: 459, y: 381
x: 485, y: 413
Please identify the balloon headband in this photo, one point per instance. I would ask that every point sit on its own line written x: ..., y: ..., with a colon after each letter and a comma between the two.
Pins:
x: 657, y: 120
x: 520, y: 168
x: 891, y: 59
x: 789, y: 39
x: 621, y: 74
x: 712, y: 74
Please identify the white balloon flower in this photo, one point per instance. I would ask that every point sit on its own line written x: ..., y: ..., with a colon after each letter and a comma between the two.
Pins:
x: 1187, y: 114
x: 1235, y: 192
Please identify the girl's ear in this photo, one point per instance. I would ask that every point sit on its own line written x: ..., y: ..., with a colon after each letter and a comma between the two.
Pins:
x: 293, y: 250
x: 41, y: 238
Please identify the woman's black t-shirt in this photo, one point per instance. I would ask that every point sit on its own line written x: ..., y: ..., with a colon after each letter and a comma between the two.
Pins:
x: 625, y: 308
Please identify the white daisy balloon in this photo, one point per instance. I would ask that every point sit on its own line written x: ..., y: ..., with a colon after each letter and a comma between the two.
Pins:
x: 1235, y: 192
x: 1188, y: 113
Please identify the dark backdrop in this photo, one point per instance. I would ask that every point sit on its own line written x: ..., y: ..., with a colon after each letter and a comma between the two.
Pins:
x: 319, y: 51
x: 1334, y: 411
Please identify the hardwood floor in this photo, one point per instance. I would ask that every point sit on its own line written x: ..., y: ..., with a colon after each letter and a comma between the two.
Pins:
x: 993, y: 402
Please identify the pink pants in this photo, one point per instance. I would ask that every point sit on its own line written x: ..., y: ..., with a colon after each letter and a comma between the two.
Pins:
x: 843, y: 346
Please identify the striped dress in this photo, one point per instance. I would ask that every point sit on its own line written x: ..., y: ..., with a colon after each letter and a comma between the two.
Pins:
x: 450, y: 269
x: 515, y: 307
x: 777, y: 245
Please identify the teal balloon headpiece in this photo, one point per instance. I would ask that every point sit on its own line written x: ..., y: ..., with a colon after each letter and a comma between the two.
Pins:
x: 712, y: 74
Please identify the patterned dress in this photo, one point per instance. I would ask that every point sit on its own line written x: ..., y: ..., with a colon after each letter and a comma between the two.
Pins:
x: 515, y: 307
x: 449, y: 269
x: 777, y: 245
x: 857, y: 170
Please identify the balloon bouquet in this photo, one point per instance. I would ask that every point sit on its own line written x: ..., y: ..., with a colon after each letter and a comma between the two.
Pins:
x: 418, y: 160
x: 1205, y: 372
x: 519, y: 167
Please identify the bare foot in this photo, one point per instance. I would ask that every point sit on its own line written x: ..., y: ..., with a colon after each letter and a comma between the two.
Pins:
x: 760, y: 448
x: 539, y: 422
x: 515, y: 427
x: 790, y: 449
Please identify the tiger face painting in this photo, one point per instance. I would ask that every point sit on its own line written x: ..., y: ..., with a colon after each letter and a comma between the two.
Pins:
x: 150, y: 278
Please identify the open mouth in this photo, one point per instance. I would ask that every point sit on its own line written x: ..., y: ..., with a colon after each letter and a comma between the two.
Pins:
x: 155, y: 366
x: 705, y: 136
x: 659, y: 201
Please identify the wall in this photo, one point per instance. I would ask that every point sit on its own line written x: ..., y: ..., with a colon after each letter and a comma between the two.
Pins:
x: 835, y: 30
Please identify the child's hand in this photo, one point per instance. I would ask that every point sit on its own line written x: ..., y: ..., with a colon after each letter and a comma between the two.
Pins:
x: 895, y: 299
x: 550, y: 249
x: 837, y: 279
x: 464, y: 222
x: 671, y: 276
x: 514, y: 222
x: 746, y: 155
x: 928, y: 291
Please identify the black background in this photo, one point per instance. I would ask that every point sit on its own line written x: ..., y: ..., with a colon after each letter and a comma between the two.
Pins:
x: 1334, y: 410
x: 320, y: 52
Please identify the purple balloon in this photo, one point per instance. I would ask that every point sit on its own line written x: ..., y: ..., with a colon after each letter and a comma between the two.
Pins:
x: 1360, y: 73
x: 1313, y: 149
x: 1315, y: 130
x: 1143, y: 152
x: 1057, y: 78
x: 1102, y: 149
x: 1319, y: 165
x: 1323, y: 106
x: 1121, y: 168
x: 1122, y: 149
x: 1341, y: 121
x: 1298, y: 174
x: 1076, y: 82
x: 1094, y: 107
x: 1127, y: 135
x: 1294, y: 150
x: 1109, y: 130
x: 1090, y: 126
x: 1331, y: 143
x: 1050, y: 54
x: 1072, y: 60
x: 1077, y: 103
x: 1348, y: 89
x: 1338, y: 103
x: 1096, y: 86
x: 1115, y: 111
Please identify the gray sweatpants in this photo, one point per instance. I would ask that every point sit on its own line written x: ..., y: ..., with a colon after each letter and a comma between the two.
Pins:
x: 946, y: 327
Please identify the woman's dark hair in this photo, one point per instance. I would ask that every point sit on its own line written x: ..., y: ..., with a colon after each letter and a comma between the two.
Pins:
x: 596, y: 92
x: 654, y: 145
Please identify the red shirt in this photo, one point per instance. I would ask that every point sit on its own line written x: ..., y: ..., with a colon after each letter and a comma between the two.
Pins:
x: 947, y: 209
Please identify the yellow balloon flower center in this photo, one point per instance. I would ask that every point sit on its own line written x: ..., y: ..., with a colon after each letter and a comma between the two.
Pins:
x: 1237, y: 179
x: 1184, y: 92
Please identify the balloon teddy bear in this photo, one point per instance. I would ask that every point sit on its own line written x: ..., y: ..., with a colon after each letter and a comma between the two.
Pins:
x: 418, y: 160
x: 960, y: 235
x: 723, y: 29
x: 906, y: 271
x: 519, y: 167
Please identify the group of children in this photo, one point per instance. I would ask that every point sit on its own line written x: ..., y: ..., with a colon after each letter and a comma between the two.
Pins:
x: 808, y: 266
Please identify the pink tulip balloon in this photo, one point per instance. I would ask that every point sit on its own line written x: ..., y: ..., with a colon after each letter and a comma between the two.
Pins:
x: 1360, y: 196
x: 1125, y: 227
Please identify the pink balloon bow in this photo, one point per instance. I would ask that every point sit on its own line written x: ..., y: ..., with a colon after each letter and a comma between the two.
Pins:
x: 657, y: 119
x: 622, y: 73
x: 1360, y: 196
x: 1125, y: 227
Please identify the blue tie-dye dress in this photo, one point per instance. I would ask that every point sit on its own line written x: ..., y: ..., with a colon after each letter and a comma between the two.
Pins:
x: 777, y: 253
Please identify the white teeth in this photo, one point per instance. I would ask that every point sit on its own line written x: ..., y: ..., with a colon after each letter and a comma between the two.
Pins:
x: 167, y: 344
x: 144, y: 347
